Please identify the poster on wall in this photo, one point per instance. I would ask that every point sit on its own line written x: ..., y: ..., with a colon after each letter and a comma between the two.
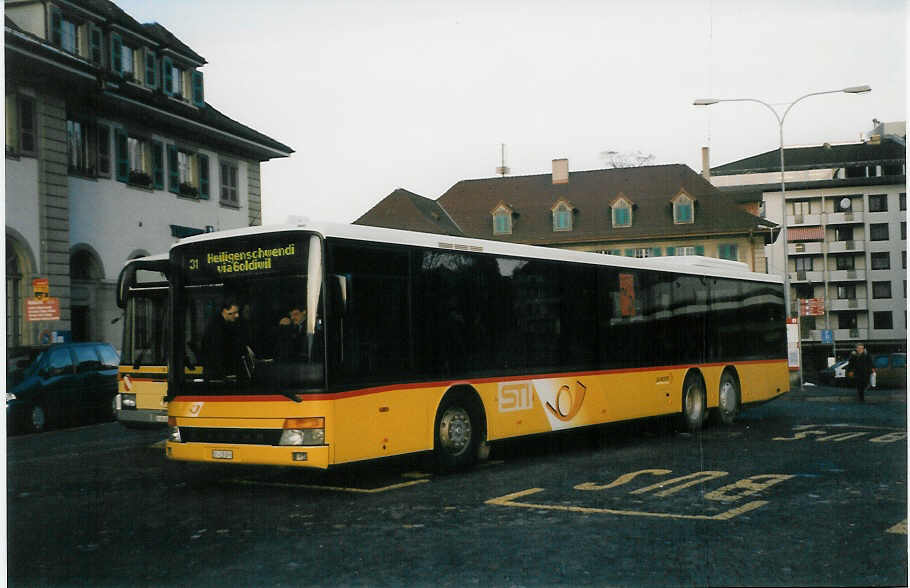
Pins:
x: 42, y: 309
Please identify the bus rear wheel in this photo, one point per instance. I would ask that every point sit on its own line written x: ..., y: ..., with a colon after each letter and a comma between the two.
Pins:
x: 728, y: 401
x: 694, y: 403
x: 457, y: 434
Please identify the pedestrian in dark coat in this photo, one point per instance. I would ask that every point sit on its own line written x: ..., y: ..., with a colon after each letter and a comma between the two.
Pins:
x: 862, y: 368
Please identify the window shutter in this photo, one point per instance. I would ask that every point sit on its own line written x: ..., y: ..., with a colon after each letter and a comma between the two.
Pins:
x: 122, y: 154
x: 198, y: 94
x: 173, y: 173
x: 655, y: 252
x: 116, y: 54
x: 56, y: 27
x: 671, y: 250
x: 699, y: 250
x: 151, y: 69
x: 630, y: 253
x: 158, y: 165
x: 203, y: 176
x: 167, y: 76
x: 95, y: 44
x: 104, y: 151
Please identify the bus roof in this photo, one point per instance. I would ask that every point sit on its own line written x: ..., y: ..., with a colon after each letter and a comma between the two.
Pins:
x: 696, y: 265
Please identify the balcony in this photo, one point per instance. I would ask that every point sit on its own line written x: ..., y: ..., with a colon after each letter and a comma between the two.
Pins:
x: 850, y: 334
x: 847, y: 304
x: 843, y: 218
x: 847, y: 275
x: 796, y: 277
x: 811, y: 248
x: 846, y: 246
x: 805, y: 219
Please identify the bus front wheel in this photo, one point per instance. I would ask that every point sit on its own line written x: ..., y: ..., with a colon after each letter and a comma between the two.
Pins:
x: 694, y: 402
x: 457, y: 434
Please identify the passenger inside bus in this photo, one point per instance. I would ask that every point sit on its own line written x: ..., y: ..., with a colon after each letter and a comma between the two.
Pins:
x: 222, y: 343
x: 292, y: 339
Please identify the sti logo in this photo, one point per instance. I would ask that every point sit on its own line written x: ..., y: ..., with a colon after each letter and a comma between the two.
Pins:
x: 515, y: 396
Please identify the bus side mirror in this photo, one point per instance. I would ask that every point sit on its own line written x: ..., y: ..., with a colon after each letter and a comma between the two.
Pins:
x: 339, y: 290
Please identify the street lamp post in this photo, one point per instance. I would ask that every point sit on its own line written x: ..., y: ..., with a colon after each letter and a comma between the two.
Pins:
x: 783, y: 197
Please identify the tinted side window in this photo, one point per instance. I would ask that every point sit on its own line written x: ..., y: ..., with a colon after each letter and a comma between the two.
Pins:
x: 374, y: 338
x: 59, y: 362
x: 881, y: 361
x: 86, y: 358
x: 109, y: 358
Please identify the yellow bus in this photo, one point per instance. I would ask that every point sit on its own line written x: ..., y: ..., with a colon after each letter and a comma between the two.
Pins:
x: 322, y: 344
x: 142, y: 293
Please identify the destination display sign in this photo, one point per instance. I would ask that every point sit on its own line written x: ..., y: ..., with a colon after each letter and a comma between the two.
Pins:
x: 237, y: 259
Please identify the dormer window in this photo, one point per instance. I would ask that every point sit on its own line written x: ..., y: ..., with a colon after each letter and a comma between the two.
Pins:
x: 622, y: 212
x: 183, y: 84
x: 562, y: 216
x: 683, y: 209
x: 502, y: 220
x: 66, y: 33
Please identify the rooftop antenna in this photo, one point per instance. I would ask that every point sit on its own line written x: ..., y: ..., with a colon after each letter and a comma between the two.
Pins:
x: 502, y: 170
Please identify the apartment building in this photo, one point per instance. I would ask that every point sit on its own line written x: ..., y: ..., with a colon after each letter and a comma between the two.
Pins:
x: 846, y: 246
x: 112, y: 152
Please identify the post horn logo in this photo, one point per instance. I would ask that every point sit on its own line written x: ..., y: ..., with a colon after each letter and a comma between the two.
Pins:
x: 568, y: 402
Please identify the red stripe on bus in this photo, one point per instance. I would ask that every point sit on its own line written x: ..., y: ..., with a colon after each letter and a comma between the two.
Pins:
x: 448, y: 383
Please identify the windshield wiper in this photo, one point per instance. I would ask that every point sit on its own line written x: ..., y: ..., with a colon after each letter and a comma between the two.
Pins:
x: 291, y: 395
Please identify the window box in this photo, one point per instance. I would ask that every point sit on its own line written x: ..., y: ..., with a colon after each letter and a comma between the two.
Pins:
x: 138, y: 178
x: 189, y: 190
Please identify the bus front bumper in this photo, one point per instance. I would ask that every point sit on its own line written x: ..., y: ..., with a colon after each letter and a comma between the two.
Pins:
x: 306, y: 456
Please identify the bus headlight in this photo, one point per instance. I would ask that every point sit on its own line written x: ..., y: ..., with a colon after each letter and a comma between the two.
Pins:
x: 173, y: 430
x: 128, y: 401
x: 305, y: 431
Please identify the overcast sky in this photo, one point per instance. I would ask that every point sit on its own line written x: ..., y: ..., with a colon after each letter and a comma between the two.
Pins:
x: 374, y: 96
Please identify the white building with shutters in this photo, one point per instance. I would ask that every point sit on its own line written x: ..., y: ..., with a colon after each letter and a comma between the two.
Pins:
x: 112, y: 152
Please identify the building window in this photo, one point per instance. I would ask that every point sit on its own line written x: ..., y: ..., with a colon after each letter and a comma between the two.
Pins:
x: 903, y: 260
x: 882, y: 320
x: 65, y: 32
x: 104, y: 150
x: 172, y: 78
x: 229, y: 194
x: 845, y: 262
x: 683, y: 210
x: 684, y: 251
x: 562, y: 216
x: 846, y: 292
x: 903, y: 231
x: 847, y: 320
x: 188, y: 173
x: 502, y: 220
x: 622, y: 213
x: 803, y: 263
x: 878, y: 232
x: 878, y: 203
x: 902, y: 198
x: 843, y: 233
x: 730, y: 251
x: 800, y: 207
x: 881, y: 260
x: 804, y: 291
x: 133, y: 159
x: 643, y: 252
x: 20, y: 125
x: 81, y: 147
x: 881, y: 289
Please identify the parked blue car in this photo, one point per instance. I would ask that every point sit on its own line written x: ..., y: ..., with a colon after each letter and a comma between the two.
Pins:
x: 65, y: 383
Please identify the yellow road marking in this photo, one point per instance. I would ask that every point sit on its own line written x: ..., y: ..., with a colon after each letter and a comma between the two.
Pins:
x: 899, y: 529
x: 331, y: 488
x: 510, y: 500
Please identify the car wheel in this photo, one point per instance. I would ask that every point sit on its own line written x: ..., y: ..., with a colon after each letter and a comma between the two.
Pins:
x: 37, y: 419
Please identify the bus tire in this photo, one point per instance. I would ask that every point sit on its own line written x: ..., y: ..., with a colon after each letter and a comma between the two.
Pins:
x: 694, y: 402
x: 456, y: 434
x: 728, y: 400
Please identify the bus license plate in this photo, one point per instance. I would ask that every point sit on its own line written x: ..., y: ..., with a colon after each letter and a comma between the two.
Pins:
x: 222, y: 454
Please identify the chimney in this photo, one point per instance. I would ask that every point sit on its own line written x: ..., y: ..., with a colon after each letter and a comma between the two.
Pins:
x: 560, y: 171
x: 706, y: 163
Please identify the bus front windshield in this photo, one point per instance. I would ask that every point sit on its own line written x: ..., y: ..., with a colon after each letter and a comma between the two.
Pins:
x: 250, y: 313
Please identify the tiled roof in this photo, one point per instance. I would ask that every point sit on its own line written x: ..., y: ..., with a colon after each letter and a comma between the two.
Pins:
x: 819, y: 157
x: 405, y: 210
x: 651, y: 188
